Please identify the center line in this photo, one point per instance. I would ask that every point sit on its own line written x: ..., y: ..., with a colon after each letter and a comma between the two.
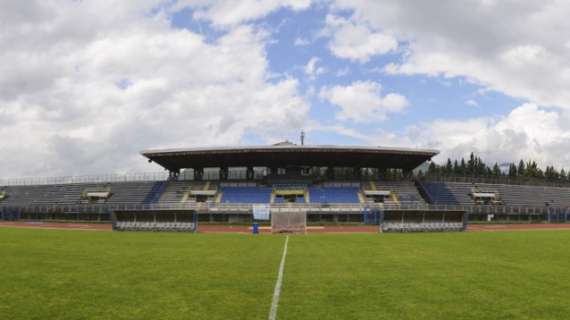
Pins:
x: 278, y: 284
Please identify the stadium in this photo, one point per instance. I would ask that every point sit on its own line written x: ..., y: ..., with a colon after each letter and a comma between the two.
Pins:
x: 198, y: 222
x: 151, y: 165
x: 321, y: 185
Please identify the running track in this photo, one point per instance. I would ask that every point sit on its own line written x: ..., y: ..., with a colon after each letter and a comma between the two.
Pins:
x: 246, y: 229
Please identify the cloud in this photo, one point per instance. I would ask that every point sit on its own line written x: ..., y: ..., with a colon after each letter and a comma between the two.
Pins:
x: 355, y: 41
x: 342, y: 72
x: 362, y: 101
x: 514, y: 47
x: 527, y: 132
x: 472, y: 103
x: 227, y: 13
x: 312, y: 70
x: 86, y: 86
x: 301, y: 42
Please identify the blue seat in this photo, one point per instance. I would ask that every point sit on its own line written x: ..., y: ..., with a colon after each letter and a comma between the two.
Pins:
x: 246, y: 194
x: 334, y: 194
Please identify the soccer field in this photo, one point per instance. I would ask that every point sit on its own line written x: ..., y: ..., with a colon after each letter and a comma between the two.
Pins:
x: 49, y: 274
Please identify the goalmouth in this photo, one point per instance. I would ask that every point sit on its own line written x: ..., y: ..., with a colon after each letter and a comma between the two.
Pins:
x: 288, y: 221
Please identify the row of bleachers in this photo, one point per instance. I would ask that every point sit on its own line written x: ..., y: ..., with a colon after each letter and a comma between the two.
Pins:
x: 178, y: 191
x: 511, y: 195
x: 406, y: 192
x: 401, y: 192
x: 334, y: 194
x: 70, y: 194
x: 442, y: 193
x: 246, y: 194
x: 422, y: 227
x: 137, y: 192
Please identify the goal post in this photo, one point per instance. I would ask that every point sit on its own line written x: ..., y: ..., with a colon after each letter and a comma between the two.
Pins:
x: 288, y: 221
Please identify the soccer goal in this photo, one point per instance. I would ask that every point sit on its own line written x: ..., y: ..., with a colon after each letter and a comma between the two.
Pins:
x: 288, y: 221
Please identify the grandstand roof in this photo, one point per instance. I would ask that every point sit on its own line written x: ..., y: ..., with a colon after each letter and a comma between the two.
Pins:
x: 288, y: 154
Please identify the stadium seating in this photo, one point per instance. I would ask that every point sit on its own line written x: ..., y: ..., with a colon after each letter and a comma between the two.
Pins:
x: 511, y: 195
x: 333, y: 194
x: 155, y: 193
x: 70, y: 194
x: 440, y: 193
x: 405, y: 191
x: 250, y: 194
x: 180, y: 191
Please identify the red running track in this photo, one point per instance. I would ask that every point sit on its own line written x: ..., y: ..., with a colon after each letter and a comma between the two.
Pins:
x: 247, y: 229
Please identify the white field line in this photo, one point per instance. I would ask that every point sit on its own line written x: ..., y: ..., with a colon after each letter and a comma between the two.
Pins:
x: 278, y: 284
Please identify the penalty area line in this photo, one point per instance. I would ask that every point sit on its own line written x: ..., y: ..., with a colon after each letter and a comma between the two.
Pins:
x: 278, y: 284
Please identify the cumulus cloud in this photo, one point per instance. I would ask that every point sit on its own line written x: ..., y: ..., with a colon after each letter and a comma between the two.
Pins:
x: 362, y: 101
x: 85, y: 86
x: 225, y: 13
x: 356, y: 41
x: 311, y: 68
x: 472, y: 103
x: 528, y: 132
x: 514, y: 47
x: 301, y: 42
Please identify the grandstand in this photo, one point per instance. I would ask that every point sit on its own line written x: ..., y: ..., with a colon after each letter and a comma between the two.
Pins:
x: 331, y: 184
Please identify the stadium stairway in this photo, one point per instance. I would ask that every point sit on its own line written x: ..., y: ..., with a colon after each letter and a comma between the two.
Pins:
x: 440, y: 193
x: 155, y: 193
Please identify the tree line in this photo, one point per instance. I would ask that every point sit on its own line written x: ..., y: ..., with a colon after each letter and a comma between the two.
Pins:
x: 476, y: 167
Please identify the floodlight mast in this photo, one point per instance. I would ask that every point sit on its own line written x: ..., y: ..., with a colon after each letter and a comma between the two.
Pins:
x: 302, y: 137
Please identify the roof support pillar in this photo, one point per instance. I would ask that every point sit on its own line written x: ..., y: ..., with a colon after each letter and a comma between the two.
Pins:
x: 249, y: 173
x: 198, y: 174
x: 173, y: 174
x: 357, y: 172
x: 330, y: 172
x: 224, y: 172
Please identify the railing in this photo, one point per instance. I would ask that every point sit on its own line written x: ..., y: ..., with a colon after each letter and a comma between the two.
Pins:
x: 102, y: 178
x: 310, y: 207
x: 529, y: 181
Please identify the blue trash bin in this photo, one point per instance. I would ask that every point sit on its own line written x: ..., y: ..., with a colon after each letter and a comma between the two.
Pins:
x: 255, y: 228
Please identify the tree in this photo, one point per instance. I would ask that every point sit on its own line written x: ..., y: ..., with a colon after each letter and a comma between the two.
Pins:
x: 463, y: 167
x: 496, y: 170
x: 471, y: 164
x: 512, y: 170
x: 521, y: 170
x: 448, y: 170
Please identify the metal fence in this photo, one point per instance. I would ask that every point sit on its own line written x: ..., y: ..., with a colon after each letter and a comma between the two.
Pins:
x: 498, y: 180
x: 323, y: 208
x: 100, y: 178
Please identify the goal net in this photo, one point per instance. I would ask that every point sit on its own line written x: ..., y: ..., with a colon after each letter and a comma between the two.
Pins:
x: 288, y: 221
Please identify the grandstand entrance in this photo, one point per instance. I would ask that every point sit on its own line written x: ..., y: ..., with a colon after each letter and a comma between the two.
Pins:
x: 423, y: 220
x: 289, y: 193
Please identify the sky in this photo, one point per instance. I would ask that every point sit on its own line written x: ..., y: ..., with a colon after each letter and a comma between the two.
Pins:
x: 86, y: 85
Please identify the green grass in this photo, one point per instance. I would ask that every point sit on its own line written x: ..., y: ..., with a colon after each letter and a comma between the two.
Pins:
x: 519, y: 275
x: 48, y: 274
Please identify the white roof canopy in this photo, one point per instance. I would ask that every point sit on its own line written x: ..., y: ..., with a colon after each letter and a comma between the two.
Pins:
x: 377, y: 193
x: 483, y: 195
